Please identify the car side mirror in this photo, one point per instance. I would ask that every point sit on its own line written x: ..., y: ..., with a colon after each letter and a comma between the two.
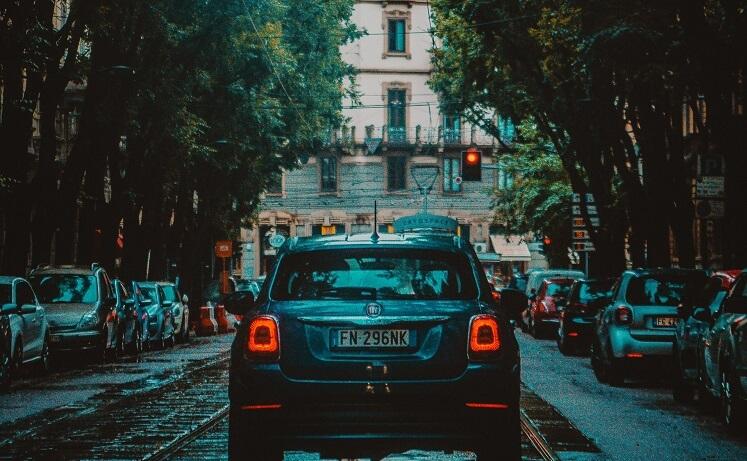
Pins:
x: 185, y: 299
x: 10, y: 308
x: 703, y: 315
x: 513, y: 302
x: 239, y: 302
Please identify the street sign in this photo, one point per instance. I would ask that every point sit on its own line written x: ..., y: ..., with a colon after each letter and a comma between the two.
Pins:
x: 223, y: 248
x: 577, y: 198
x: 277, y: 240
x: 580, y: 234
x: 709, y: 209
x: 710, y: 187
x: 591, y: 209
x: 583, y: 246
x: 579, y: 222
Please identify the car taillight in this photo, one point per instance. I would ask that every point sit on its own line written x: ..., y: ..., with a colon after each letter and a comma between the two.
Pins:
x: 484, y: 334
x: 264, y: 339
x: 623, y: 315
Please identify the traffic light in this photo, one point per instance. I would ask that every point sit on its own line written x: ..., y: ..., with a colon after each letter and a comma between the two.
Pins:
x: 546, y: 243
x: 471, y: 165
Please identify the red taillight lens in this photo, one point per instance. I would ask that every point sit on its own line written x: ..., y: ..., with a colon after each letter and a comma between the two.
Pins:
x: 264, y: 339
x: 483, y: 334
x: 623, y: 315
x: 496, y: 296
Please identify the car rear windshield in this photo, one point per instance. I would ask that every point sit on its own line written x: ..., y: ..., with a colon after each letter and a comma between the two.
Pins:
x: 663, y: 290
x: 5, y: 293
x: 375, y: 274
x: 558, y: 290
x: 65, y: 288
x: 145, y: 292
x: 594, y: 290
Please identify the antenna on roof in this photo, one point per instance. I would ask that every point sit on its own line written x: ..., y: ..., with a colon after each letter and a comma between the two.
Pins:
x: 375, y: 235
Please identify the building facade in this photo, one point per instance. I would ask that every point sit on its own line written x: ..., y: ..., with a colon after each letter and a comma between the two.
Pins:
x: 396, y: 141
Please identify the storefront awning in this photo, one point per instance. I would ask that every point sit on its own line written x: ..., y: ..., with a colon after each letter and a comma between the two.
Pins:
x: 511, y: 248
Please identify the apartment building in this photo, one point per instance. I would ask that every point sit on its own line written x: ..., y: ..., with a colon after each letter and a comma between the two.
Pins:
x: 395, y: 135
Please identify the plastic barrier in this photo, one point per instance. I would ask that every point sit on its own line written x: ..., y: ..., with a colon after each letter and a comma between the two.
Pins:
x: 208, y: 325
x: 220, y: 317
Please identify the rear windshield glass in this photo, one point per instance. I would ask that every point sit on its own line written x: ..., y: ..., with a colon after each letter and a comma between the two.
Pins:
x: 65, y: 288
x: 5, y: 294
x: 557, y: 290
x: 594, y: 290
x: 662, y: 290
x: 375, y: 274
x: 145, y: 292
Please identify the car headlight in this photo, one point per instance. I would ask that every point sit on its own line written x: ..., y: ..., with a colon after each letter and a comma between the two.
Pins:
x: 90, y: 320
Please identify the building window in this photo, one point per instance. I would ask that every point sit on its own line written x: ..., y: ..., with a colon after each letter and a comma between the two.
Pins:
x: 360, y: 229
x: 300, y: 230
x: 396, y: 122
x: 397, y: 36
x: 464, y: 231
x: 452, y: 129
x: 333, y: 229
x: 386, y: 228
x: 275, y: 186
x: 329, y: 174
x: 451, y: 173
x: 504, y: 179
x: 396, y: 170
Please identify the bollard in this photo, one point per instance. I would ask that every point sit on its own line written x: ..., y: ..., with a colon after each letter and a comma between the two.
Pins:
x: 208, y: 325
x: 220, y: 317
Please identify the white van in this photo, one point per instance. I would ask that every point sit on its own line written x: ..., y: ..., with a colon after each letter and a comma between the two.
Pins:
x: 536, y: 278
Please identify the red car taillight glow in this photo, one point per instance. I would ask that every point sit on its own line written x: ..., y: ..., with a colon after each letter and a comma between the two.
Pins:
x: 623, y: 315
x: 484, y: 334
x: 264, y: 338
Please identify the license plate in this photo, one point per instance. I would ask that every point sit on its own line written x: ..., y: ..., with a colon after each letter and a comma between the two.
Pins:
x: 373, y: 338
x: 55, y: 339
x: 665, y: 321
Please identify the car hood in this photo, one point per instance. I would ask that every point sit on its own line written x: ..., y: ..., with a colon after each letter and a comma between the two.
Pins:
x: 66, y: 314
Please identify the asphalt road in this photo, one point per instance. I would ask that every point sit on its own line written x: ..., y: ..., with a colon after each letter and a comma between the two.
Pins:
x: 638, y: 421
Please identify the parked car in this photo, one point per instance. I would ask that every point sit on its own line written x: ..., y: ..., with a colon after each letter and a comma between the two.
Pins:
x: 518, y: 281
x: 161, y: 328
x: 543, y: 316
x: 132, y: 322
x: 376, y: 332
x: 5, y: 342
x: 179, y: 310
x: 576, y: 326
x: 81, y: 309
x: 248, y: 285
x: 29, y: 327
x: 722, y: 355
x: 689, y: 332
x: 638, y: 325
x: 535, y: 278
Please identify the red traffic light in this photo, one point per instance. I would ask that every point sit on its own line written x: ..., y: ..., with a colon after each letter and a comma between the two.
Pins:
x: 547, y: 240
x: 472, y: 164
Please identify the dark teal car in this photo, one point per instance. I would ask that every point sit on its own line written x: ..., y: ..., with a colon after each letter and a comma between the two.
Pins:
x: 395, y: 338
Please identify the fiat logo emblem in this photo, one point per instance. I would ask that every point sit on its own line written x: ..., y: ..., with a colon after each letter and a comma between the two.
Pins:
x: 373, y: 309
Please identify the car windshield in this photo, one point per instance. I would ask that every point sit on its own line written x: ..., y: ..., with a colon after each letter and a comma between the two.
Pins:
x: 594, y: 290
x: 558, y: 290
x: 65, y: 288
x: 146, y: 292
x: 375, y: 274
x: 661, y: 290
x: 5, y: 296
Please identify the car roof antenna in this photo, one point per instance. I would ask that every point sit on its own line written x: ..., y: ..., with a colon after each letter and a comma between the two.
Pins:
x: 375, y: 235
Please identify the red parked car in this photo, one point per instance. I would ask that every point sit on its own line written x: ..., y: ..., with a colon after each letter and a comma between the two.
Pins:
x: 544, y: 312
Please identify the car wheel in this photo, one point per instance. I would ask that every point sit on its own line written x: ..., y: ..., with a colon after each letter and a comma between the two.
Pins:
x: 136, y: 345
x: 681, y: 391
x: 5, y: 366
x: 44, y: 359
x: 732, y: 410
x: 17, y: 361
x: 706, y: 400
x: 533, y: 329
x: 100, y: 353
x: 563, y: 345
x: 244, y: 442
x: 596, y: 362
x: 613, y: 370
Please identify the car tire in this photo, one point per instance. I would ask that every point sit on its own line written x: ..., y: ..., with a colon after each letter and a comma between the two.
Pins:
x: 44, y: 364
x: 732, y: 407
x: 614, y: 372
x: 596, y: 362
x: 100, y: 353
x: 563, y: 346
x: 244, y: 442
x: 5, y: 367
x: 681, y: 391
x: 534, y: 329
x: 706, y: 400
x: 135, y: 347
x: 17, y: 359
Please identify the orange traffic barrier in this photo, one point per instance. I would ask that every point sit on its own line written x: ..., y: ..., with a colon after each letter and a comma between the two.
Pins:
x: 220, y: 317
x: 208, y: 325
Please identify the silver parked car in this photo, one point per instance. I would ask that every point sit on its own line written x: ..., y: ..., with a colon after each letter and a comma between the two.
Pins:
x: 638, y: 325
x: 29, y: 329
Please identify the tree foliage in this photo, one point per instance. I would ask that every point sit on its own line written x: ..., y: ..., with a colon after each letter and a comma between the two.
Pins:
x: 605, y: 82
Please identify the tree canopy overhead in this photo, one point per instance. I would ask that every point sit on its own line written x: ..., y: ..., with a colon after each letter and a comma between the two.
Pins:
x: 612, y: 85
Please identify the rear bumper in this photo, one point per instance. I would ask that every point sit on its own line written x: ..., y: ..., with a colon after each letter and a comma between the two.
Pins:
x: 74, y: 340
x: 398, y: 409
x: 583, y: 326
x: 645, y: 342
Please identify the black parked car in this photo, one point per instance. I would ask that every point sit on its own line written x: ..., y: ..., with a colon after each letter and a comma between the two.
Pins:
x: 397, y: 336
x: 132, y: 331
x: 576, y: 326
x: 81, y: 308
